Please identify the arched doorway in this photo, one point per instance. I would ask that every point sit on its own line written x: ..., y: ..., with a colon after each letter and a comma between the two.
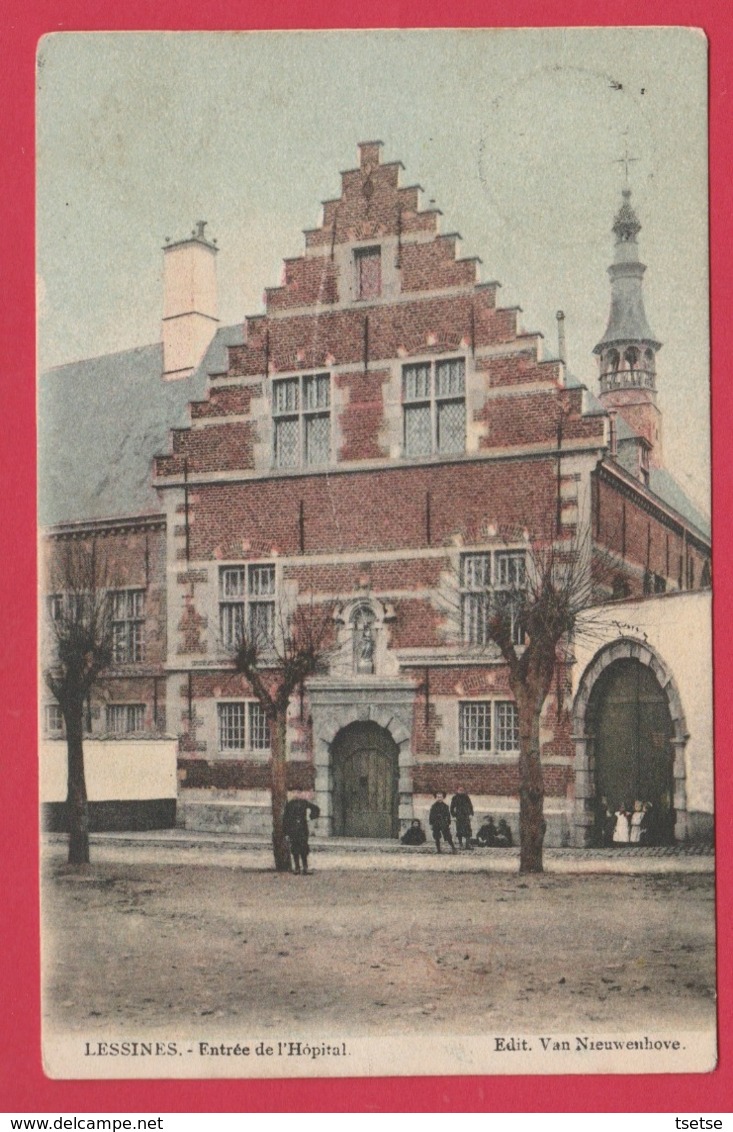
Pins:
x: 365, y: 780
x: 629, y: 723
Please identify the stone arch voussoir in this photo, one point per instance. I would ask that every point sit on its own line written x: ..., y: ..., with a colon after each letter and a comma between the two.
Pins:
x: 625, y: 648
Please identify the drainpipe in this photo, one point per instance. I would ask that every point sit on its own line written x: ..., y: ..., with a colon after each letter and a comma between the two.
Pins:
x: 612, y: 435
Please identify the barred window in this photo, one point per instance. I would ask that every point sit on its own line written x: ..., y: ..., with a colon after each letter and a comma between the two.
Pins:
x: 489, y: 579
x: 243, y: 727
x: 434, y: 407
x: 487, y: 726
x: 54, y: 719
x: 124, y: 719
x: 507, y: 726
x: 259, y: 731
x: 232, y: 727
x: 475, y: 724
x: 128, y: 621
x: 247, y: 599
x: 301, y: 409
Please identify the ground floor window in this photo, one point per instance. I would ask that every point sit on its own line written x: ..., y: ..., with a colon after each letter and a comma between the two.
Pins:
x: 488, y: 725
x: 124, y: 719
x: 243, y: 726
x: 54, y: 719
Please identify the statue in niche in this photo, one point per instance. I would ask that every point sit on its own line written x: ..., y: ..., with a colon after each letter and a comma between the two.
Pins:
x: 364, y: 641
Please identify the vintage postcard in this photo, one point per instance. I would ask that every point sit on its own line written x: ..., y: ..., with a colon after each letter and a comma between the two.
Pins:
x: 375, y: 600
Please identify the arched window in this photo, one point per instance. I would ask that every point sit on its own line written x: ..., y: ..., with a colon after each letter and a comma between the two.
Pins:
x: 631, y: 357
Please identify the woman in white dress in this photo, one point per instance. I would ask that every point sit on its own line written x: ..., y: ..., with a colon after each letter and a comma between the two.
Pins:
x: 635, y: 824
x: 621, y: 828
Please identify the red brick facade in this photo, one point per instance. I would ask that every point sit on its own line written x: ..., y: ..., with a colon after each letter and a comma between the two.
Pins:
x: 374, y: 520
x: 133, y: 558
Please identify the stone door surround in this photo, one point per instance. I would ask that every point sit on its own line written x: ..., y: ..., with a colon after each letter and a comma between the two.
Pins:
x: 626, y: 648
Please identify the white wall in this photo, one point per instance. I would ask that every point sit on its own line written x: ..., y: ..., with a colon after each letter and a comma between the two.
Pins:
x: 115, y: 769
x: 678, y: 627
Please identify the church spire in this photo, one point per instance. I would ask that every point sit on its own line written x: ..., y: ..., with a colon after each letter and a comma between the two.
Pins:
x: 628, y: 349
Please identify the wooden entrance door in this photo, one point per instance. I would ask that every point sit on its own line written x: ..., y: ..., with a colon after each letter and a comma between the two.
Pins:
x: 365, y: 777
x: 632, y: 729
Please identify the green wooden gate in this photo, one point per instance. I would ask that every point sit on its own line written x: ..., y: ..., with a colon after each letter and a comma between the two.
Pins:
x: 632, y: 728
x: 365, y: 780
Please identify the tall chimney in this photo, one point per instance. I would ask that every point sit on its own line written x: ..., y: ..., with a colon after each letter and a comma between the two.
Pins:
x: 189, y: 302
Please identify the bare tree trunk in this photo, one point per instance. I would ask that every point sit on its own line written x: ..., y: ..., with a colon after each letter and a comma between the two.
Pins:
x: 531, y: 786
x: 77, y: 807
x: 279, y: 789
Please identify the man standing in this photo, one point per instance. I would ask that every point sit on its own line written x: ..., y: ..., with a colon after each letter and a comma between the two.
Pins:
x: 461, y: 809
x: 295, y: 826
x: 439, y: 818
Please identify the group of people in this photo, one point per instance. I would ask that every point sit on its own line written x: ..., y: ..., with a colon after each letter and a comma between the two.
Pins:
x: 628, y: 825
x: 440, y: 818
x: 299, y: 810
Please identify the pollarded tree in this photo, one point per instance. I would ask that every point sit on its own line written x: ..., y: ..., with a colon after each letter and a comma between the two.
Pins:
x: 530, y: 598
x: 530, y: 620
x: 276, y: 654
x: 80, y: 648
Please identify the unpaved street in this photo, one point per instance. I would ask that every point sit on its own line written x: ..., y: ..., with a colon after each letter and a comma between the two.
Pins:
x: 170, y: 948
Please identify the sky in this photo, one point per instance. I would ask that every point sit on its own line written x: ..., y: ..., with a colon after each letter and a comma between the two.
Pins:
x: 516, y: 135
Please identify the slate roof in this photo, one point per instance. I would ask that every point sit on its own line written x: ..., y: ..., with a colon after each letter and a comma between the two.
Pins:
x: 101, y: 421
x: 666, y: 487
x: 627, y: 321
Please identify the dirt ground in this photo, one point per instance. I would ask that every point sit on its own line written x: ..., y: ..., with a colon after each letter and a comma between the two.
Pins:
x: 163, y: 948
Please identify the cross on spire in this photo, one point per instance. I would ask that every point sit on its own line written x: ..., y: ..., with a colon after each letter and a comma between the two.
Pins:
x: 626, y: 161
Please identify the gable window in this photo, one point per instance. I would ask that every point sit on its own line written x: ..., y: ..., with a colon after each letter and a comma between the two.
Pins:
x: 487, y: 726
x: 301, y: 408
x: 243, y: 726
x: 247, y: 605
x: 491, y: 580
x: 434, y: 407
x: 125, y: 719
x: 128, y: 619
x: 368, y: 263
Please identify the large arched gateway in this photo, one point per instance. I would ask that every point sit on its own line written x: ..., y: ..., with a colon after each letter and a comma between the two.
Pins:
x: 365, y: 781
x: 630, y: 735
x: 629, y: 721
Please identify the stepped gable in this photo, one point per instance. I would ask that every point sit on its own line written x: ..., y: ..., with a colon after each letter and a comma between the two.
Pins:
x: 372, y: 205
x: 427, y: 302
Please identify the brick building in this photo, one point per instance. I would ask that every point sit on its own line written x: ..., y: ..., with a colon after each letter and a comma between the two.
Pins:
x: 387, y: 441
